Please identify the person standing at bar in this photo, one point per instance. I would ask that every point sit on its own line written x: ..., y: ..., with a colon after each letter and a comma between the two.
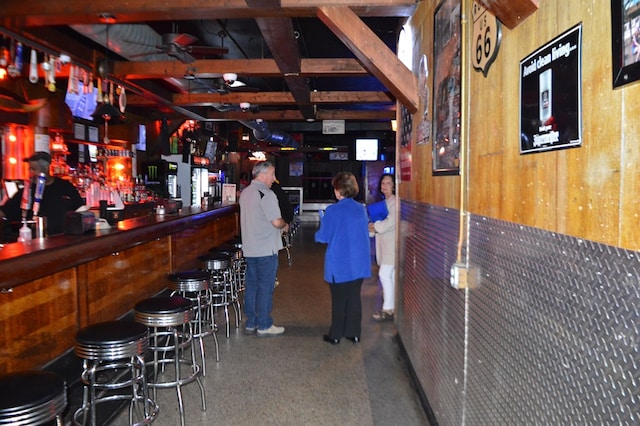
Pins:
x: 385, y: 234
x: 59, y: 197
x: 261, y: 226
x: 344, y: 228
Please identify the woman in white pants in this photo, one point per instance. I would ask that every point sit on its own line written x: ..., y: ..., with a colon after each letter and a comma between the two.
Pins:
x: 385, y: 234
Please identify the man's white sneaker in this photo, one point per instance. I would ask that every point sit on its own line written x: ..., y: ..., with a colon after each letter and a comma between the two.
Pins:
x: 274, y: 330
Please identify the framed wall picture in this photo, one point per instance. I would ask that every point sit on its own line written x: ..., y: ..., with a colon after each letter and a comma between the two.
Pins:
x: 551, y: 94
x: 625, y: 41
x: 446, y: 88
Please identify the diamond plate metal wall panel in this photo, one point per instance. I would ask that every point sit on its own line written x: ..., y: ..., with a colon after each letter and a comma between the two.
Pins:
x: 431, y: 320
x: 552, y: 329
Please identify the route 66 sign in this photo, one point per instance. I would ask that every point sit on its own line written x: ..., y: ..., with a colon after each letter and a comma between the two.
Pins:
x: 487, y: 33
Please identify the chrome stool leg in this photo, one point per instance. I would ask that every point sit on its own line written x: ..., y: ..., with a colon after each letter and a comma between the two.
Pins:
x: 171, y: 318
x: 112, y: 360
x: 194, y: 286
x: 218, y: 266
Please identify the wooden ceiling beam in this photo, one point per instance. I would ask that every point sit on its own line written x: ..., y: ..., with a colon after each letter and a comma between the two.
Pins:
x: 212, y: 68
x: 373, y: 54
x: 46, y: 12
x: 269, y: 98
x: 296, y: 115
x: 278, y: 35
x: 510, y: 12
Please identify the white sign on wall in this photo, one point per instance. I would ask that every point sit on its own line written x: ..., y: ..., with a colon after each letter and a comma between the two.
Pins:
x: 333, y: 127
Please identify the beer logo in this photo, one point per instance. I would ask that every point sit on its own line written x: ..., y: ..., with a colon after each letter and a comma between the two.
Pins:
x: 152, y: 171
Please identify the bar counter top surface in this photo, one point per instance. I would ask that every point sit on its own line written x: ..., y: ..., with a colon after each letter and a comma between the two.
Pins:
x: 23, y: 262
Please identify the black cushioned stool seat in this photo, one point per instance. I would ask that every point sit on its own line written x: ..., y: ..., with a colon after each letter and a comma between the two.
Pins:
x: 32, y: 398
x: 112, y: 354
x: 169, y: 320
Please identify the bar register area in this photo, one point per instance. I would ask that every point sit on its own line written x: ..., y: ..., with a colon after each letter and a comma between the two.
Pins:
x: 116, y: 250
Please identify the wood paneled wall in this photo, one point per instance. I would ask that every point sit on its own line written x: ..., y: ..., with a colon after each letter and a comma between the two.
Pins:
x: 39, y: 319
x: 591, y: 191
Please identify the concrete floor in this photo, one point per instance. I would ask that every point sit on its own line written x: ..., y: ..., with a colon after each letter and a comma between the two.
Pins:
x: 297, y: 378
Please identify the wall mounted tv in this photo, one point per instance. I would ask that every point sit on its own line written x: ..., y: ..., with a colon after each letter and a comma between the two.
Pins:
x: 366, y: 149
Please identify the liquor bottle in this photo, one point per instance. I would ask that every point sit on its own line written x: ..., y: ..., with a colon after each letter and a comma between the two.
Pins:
x: 37, y: 198
x: 25, y: 204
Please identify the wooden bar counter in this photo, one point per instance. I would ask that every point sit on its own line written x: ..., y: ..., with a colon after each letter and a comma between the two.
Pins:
x: 52, y: 287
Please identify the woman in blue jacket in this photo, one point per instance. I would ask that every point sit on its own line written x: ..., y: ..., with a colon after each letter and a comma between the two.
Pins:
x: 344, y: 228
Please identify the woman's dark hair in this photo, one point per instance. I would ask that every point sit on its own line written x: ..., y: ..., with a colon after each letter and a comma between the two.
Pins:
x: 346, y: 184
x: 393, y: 180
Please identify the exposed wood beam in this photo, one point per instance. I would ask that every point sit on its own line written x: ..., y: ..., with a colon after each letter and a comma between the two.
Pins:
x: 47, y: 12
x: 269, y: 98
x: 278, y: 35
x: 212, y: 68
x: 373, y: 54
x: 296, y: 115
x: 349, y: 96
x: 510, y: 12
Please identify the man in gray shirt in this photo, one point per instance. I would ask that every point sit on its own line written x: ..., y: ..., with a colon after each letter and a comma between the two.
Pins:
x: 261, y: 225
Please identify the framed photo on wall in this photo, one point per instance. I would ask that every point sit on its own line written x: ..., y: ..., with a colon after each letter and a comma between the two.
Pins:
x: 625, y: 41
x: 446, y: 88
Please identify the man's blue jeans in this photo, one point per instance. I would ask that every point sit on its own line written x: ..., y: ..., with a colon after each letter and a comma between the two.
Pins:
x: 260, y: 280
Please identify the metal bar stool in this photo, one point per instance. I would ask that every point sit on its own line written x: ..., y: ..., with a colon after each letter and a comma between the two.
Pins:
x: 238, y: 269
x: 194, y: 286
x: 112, y: 354
x: 169, y: 320
x: 32, y: 398
x: 218, y: 265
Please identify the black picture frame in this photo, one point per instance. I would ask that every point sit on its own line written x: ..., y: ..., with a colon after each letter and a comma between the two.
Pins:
x: 625, y: 43
x: 447, y: 83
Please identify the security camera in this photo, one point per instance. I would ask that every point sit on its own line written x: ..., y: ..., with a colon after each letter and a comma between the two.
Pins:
x: 229, y: 77
x: 244, y: 106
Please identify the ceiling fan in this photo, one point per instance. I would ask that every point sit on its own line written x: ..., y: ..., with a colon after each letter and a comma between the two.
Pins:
x: 180, y: 46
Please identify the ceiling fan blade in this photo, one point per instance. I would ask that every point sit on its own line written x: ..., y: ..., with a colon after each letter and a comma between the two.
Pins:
x: 182, y: 56
x: 245, y: 89
x: 182, y: 39
x: 142, y: 55
x: 142, y: 44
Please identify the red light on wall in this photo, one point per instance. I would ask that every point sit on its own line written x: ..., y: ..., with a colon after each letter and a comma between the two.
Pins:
x: 12, y: 138
x: 3, y: 73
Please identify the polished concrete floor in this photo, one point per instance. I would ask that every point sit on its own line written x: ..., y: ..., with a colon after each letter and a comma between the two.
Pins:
x: 297, y: 378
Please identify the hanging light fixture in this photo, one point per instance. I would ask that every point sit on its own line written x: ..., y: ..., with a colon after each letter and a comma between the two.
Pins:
x: 105, y: 111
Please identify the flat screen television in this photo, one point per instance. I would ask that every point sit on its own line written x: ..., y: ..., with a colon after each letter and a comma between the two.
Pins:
x: 366, y: 149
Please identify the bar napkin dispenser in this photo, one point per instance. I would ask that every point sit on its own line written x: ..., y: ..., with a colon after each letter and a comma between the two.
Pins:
x: 76, y: 223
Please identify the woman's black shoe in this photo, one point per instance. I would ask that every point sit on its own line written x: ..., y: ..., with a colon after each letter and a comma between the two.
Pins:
x: 354, y: 339
x: 328, y: 339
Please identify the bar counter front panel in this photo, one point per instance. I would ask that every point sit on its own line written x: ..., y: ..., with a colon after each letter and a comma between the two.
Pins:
x: 53, y: 287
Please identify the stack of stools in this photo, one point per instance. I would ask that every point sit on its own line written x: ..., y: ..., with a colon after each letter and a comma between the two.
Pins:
x: 32, y: 398
x: 218, y: 266
x: 194, y: 286
x: 112, y: 354
x: 169, y: 320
